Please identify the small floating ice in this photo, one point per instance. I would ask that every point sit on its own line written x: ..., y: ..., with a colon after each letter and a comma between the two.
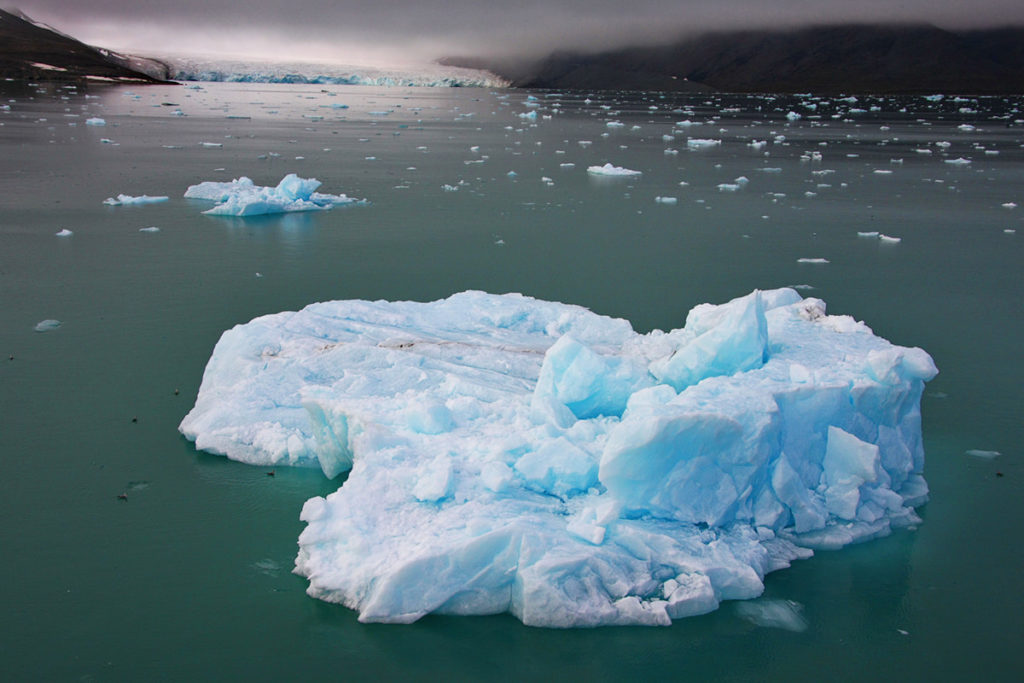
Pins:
x: 64, y: 233
x: 610, y: 170
x: 889, y: 239
x: 665, y: 200
x: 702, y: 143
x: 873, y: 234
x: 812, y: 260
x: 95, y: 121
x: 47, y: 325
x: 784, y: 614
x: 242, y: 197
x: 985, y: 455
x: 125, y: 199
x: 151, y: 228
x: 958, y: 162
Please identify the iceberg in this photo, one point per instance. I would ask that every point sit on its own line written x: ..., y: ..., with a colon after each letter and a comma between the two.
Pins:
x: 507, y: 454
x: 242, y: 197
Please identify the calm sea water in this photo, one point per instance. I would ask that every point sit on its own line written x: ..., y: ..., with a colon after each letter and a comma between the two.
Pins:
x: 190, y: 576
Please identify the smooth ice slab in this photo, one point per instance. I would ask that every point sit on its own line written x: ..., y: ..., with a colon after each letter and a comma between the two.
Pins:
x: 242, y: 197
x: 510, y: 454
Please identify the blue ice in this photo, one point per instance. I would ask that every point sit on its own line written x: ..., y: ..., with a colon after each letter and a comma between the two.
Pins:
x: 507, y: 454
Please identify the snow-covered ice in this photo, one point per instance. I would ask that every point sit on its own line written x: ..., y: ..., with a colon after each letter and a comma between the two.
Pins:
x: 242, y: 197
x: 511, y: 454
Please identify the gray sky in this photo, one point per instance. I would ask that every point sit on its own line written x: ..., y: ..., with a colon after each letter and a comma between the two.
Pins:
x: 400, y: 30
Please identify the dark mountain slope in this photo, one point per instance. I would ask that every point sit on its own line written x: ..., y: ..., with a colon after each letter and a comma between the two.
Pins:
x: 826, y: 59
x: 29, y: 51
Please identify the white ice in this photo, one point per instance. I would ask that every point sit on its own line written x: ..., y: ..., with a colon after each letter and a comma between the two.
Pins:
x: 612, y: 170
x: 126, y: 199
x: 511, y: 454
x: 242, y: 197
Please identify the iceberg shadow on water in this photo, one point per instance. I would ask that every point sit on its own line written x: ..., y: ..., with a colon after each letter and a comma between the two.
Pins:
x: 511, y: 454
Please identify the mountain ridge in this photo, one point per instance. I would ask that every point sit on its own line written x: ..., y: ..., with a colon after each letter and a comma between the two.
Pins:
x: 825, y: 59
x: 32, y: 51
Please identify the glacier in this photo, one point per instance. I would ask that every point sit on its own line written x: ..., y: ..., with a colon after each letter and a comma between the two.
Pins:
x: 242, y: 197
x: 508, y: 454
x: 216, y: 69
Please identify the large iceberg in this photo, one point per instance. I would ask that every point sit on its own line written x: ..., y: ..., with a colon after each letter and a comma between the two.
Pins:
x: 242, y: 197
x: 510, y: 454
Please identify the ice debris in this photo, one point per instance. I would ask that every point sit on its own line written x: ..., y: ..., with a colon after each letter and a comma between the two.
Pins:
x: 64, y: 232
x: 125, y: 199
x: 511, y: 454
x: 242, y: 197
x: 47, y: 325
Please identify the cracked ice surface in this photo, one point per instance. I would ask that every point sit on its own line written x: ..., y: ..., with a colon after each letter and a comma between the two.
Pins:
x: 511, y: 454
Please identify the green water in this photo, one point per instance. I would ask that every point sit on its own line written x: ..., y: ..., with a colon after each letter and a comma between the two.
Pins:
x: 189, y: 578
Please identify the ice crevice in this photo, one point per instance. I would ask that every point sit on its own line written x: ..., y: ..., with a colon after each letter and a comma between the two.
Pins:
x: 514, y: 455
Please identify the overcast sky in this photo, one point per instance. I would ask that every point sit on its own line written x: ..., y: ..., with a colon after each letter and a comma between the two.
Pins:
x: 396, y: 30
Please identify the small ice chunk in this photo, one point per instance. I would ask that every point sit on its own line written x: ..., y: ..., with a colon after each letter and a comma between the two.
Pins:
x: 151, y: 228
x: 702, y: 143
x: 985, y: 455
x: 812, y: 260
x: 889, y: 239
x: 47, y: 325
x: 125, y: 199
x: 611, y: 170
x: 95, y: 121
x: 784, y: 614
x: 64, y: 233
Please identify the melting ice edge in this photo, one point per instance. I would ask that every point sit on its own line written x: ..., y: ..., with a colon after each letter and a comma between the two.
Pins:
x: 511, y: 454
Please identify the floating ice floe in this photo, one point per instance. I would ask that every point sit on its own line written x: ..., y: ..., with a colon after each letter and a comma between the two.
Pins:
x: 984, y: 455
x: 64, y: 232
x: 812, y: 260
x: 701, y: 143
x: 511, y: 454
x: 126, y: 199
x: 958, y: 162
x: 47, y: 325
x: 610, y: 170
x: 95, y: 121
x: 151, y: 228
x: 242, y: 197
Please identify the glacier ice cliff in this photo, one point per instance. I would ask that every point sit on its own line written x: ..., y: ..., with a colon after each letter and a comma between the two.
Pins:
x: 511, y: 454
